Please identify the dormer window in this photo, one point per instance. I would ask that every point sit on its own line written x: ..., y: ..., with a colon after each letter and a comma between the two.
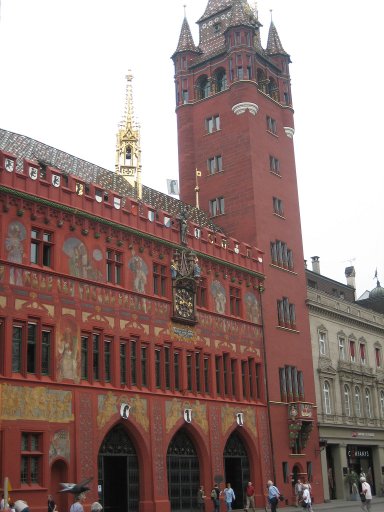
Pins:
x: 217, y: 28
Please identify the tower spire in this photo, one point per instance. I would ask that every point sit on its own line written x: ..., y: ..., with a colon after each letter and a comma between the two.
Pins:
x: 274, y: 46
x: 128, y: 151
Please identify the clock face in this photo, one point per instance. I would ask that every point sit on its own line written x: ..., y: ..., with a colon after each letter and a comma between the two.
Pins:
x: 184, y: 303
x: 9, y: 165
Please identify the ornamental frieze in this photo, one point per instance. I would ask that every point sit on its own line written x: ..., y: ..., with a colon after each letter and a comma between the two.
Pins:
x: 175, y: 410
x: 229, y: 415
x: 35, y: 403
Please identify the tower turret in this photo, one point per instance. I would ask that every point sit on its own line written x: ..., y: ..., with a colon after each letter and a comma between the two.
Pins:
x: 128, y: 151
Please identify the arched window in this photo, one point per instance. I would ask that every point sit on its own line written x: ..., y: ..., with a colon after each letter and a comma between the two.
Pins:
x: 261, y: 80
x: 273, y: 89
x: 382, y: 403
x: 347, y: 400
x: 327, y: 397
x: 368, y: 407
x: 220, y: 78
x: 357, y: 402
x: 203, y: 87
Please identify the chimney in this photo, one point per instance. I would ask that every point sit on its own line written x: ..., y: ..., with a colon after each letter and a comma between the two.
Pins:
x: 350, y: 274
x: 316, y: 264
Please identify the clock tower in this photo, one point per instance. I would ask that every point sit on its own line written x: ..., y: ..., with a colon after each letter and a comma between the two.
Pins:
x: 235, y: 127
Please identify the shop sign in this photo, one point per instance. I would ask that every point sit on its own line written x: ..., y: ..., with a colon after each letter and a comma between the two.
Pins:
x: 363, y: 434
x: 358, y: 451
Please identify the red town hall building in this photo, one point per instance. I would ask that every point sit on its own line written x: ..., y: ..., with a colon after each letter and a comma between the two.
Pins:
x: 130, y: 338
x: 235, y: 125
x: 144, y: 342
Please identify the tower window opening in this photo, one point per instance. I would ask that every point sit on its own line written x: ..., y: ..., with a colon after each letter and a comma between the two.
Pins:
x: 203, y: 87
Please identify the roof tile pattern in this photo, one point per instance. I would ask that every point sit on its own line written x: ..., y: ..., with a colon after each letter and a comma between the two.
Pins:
x: 26, y: 148
x: 186, y: 42
x: 215, y: 7
x: 274, y: 46
x: 241, y: 14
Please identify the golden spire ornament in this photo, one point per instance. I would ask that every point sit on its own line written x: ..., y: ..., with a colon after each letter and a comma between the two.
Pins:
x: 128, y: 152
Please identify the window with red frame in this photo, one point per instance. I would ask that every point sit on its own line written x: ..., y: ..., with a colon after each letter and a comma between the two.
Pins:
x: 235, y: 301
x: 31, y: 458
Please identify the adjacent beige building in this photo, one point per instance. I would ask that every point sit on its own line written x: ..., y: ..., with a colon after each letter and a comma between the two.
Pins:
x: 347, y: 345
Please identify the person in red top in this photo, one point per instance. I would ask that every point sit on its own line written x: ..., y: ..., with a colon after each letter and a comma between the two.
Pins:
x: 250, y: 497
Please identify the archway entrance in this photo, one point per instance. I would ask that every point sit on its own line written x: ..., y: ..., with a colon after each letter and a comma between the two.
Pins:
x: 59, y: 473
x: 183, y: 473
x: 236, y: 464
x: 118, y: 471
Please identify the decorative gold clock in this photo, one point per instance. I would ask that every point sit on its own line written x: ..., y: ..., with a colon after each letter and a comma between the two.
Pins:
x: 184, y: 303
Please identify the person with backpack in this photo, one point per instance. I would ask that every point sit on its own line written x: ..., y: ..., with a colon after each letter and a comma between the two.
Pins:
x: 215, y: 497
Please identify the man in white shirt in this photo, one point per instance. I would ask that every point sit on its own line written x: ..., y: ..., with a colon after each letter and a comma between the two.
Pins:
x: 367, y: 493
x: 307, y: 497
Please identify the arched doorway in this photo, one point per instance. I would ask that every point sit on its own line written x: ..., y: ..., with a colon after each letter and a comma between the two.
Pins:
x: 118, y: 472
x: 236, y: 464
x: 59, y: 472
x: 183, y: 473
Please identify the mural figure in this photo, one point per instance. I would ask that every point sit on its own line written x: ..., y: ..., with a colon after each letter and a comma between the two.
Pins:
x: 218, y: 292
x: 252, y: 308
x: 60, y: 445
x: 68, y: 359
x: 14, y: 245
x: 79, y: 262
x: 140, y: 271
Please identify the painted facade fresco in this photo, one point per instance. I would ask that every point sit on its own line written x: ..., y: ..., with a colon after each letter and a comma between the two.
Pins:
x: 219, y: 296
x: 68, y: 350
x: 108, y: 405
x: 35, y: 403
x: 60, y: 445
x: 80, y: 263
x: 252, y: 308
x: 140, y: 271
x: 14, y: 246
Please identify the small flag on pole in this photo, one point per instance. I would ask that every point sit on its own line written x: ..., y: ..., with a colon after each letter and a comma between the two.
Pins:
x: 375, y: 276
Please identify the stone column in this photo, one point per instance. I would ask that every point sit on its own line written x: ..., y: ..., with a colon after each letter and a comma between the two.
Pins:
x: 340, y: 461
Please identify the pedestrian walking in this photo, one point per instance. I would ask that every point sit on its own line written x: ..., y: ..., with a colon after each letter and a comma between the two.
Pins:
x: 215, y: 497
x: 365, y: 495
x: 273, y: 495
x: 229, y: 497
x: 250, y: 497
x: 200, y: 498
x: 79, y: 501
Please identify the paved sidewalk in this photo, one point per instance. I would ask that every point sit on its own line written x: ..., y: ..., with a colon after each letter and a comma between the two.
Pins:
x: 377, y: 505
